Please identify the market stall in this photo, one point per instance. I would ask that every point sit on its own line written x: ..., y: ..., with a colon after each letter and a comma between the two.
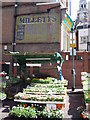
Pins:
x: 85, y: 110
x: 48, y: 92
x: 52, y: 96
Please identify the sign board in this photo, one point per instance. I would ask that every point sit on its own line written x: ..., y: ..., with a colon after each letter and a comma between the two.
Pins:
x: 72, y: 45
x: 68, y: 22
x: 51, y: 106
x: 37, y: 28
x: 72, y: 39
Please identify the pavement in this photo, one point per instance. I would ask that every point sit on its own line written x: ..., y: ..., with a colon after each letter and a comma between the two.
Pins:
x: 73, y: 100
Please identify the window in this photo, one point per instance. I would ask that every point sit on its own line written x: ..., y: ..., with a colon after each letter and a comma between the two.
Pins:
x: 5, y: 47
x: 84, y: 5
x: 83, y: 40
x: 80, y: 27
x: 88, y: 47
x: 67, y: 57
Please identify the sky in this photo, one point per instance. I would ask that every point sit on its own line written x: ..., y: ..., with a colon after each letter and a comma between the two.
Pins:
x: 75, y: 8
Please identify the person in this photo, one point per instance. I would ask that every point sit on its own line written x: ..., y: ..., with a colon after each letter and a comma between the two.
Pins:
x: 60, y: 72
x: 59, y: 59
x: 60, y: 63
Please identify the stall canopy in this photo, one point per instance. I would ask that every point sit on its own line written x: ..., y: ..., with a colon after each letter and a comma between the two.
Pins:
x: 39, y: 58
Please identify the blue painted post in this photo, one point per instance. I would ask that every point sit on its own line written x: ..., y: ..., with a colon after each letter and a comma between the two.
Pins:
x: 60, y: 74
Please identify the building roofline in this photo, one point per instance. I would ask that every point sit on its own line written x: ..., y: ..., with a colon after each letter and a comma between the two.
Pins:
x: 50, y: 3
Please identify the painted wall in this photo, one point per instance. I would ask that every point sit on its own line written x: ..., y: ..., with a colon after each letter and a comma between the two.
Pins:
x: 38, y: 28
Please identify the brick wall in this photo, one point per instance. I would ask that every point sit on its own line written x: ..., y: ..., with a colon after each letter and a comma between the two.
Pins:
x: 7, y: 24
x: 49, y: 69
x: 81, y: 63
x: 8, y: 27
x: 38, y: 47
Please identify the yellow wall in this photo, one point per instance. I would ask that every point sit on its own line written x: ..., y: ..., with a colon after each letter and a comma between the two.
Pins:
x: 37, y: 28
x: 67, y: 38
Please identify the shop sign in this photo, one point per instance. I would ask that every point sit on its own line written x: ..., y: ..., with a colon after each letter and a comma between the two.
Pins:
x: 68, y: 22
x: 36, y: 19
x: 37, y: 28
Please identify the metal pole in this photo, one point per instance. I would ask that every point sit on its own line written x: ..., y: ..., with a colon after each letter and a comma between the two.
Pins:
x: 73, y: 70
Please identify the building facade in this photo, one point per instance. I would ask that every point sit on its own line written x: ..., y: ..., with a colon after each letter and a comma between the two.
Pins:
x: 89, y: 11
x: 82, y: 13
x: 30, y: 28
x: 67, y: 4
x: 38, y: 30
x: 65, y: 32
x: 83, y: 37
x: 83, y: 27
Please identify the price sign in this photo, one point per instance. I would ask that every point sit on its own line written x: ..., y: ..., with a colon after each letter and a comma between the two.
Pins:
x: 51, y: 106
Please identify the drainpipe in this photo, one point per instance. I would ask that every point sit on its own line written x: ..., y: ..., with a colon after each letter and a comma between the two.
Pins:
x: 15, y: 14
x: 14, y: 29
